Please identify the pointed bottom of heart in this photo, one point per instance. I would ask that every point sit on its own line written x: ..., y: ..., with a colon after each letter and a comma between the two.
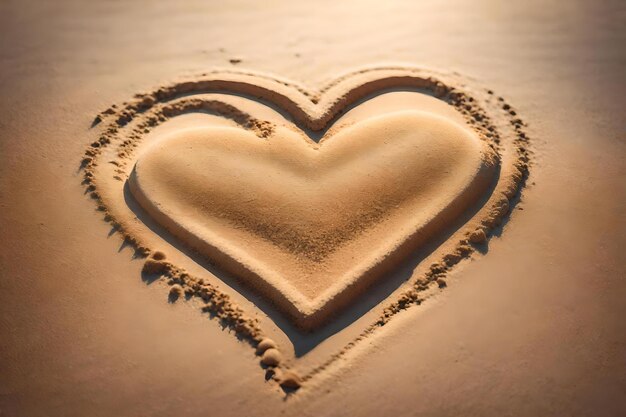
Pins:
x: 311, y: 225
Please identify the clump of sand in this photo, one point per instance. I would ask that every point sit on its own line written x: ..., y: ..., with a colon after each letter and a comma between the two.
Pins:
x: 265, y: 344
x: 290, y: 379
x: 175, y: 292
x: 478, y: 236
x: 271, y: 357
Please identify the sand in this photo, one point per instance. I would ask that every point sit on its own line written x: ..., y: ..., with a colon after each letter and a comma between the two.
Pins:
x: 312, y: 206
x: 119, y: 297
x: 296, y: 216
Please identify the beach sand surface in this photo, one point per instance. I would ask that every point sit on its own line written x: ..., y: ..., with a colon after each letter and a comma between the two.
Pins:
x: 532, y: 326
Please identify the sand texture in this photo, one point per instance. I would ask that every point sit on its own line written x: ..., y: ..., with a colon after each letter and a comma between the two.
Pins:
x: 311, y: 221
x: 347, y: 208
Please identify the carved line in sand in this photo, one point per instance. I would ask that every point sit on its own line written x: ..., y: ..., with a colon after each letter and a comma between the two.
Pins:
x: 315, y: 111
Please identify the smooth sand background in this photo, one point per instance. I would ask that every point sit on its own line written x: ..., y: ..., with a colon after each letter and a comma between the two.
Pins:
x: 536, y: 327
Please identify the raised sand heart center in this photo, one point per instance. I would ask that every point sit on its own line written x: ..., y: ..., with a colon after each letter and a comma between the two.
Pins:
x: 310, y: 224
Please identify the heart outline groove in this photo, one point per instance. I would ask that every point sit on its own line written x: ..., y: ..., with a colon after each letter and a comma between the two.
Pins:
x: 122, y: 129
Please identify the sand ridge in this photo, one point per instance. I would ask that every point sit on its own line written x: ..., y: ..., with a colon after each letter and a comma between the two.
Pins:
x: 154, y: 108
x: 301, y: 217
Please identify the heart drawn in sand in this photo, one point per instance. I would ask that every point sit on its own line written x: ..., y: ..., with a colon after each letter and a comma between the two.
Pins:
x: 309, y: 224
x: 396, y: 184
